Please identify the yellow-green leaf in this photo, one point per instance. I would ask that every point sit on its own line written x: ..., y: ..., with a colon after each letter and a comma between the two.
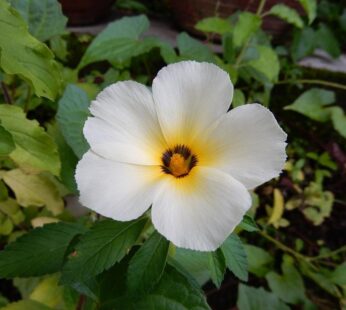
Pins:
x: 24, y: 55
x: 278, y: 208
x: 35, y: 150
x: 34, y: 190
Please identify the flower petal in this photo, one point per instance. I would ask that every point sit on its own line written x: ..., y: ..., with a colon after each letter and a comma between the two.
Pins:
x: 120, y: 191
x: 200, y: 210
x: 125, y: 127
x: 189, y: 96
x: 249, y: 145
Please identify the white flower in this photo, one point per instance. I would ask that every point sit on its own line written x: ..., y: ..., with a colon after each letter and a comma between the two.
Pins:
x: 178, y: 149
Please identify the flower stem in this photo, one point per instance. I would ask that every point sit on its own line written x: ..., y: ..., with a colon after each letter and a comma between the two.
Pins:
x: 318, y: 82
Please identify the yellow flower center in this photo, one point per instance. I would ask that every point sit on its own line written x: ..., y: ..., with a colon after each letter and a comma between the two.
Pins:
x: 178, y: 161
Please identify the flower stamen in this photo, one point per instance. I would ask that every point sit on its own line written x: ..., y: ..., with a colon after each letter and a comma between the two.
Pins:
x: 178, y: 161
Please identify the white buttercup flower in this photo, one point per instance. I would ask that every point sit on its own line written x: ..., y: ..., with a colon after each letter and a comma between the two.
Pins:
x: 178, y: 150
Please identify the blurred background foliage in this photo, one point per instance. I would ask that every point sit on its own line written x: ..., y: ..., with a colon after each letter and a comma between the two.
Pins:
x: 289, y: 251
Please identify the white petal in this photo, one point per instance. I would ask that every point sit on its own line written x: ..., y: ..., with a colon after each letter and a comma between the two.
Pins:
x: 120, y: 191
x: 249, y: 145
x: 189, y: 96
x: 200, y: 210
x: 125, y: 127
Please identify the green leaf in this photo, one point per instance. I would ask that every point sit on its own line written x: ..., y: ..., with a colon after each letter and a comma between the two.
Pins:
x: 147, y: 265
x: 22, y: 54
x: 34, y: 190
x: 35, y: 150
x: 310, y: 7
x: 120, y: 41
x: 248, y: 224
x: 339, y: 120
x: 327, y: 41
x: 214, y: 25
x: 311, y: 104
x: 192, y: 49
x: 39, y: 252
x: 44, y: 17
x: 11, y: 208
x: 238, y: 98
x: 287, y: 14
x: 67, y: 157
x: 304, y: 43
x: 73, y: 111
x: 245, y: 27
x: 6, y: 142
x: 251, y: 298
x: 195, y: 262
x: 172, y: 292
x: 26, y: 305
x: 217, y: 267
x: 338, y: 276
x: 267, y: 64
x: 235, y: 256
x: 106, y: 243
x: 289, y: 286
x: 260, y: 261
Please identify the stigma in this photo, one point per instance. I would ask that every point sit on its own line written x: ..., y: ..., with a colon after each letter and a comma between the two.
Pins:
x: 178, y: 161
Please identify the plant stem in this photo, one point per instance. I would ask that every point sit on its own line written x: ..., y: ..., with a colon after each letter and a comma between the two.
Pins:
x: 282, y: 246
x: 319, y: 82
x: 7, y: 96
x: 260, y: 7
x: 329, y: 254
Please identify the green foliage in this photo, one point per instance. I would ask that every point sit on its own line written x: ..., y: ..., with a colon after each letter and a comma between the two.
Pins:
x: 190, y: 48
x: 25, y: 56
x: 248, y: 224
x: 27, y: 305
x: 310, y: 7
x: 214, y: 25
x: 304, y: 43
x: 217, y: 267
x: 147, y: 265
x: 250, y: 298
x: 35, y: 150
x: 235, y: 256
x: 288, y: 14
x: 120, y: 41
x: 245, y: 27
x: 6, y: 142
x: 327, y: 41
x: 73, y: 110
x: 44, y: 17
x: 259, y: 261
x: 38, y: 252
x: 106, y: 243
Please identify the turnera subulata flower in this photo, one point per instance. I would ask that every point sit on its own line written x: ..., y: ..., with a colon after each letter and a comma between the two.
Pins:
x: 178, y: 149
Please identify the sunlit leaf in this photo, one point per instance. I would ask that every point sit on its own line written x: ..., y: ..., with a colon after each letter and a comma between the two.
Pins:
x: 245, y: 27
x: 288, y: 14
x: 214, y: 25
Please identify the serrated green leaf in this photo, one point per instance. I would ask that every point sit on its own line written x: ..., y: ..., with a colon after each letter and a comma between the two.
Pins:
x: 73, y: 111
x: 235, y: 257
x: 172, y: 292
x: 214, y: 25
x: 267, y: 64
x: 339, y: 120
x: 311, y: 104
x: 327, y: 41
x: 39, y: 252
x: 35, y: 150
x: 287, y: 14
x: 192, y: 49
x: 338, y: 276
x: 217, y: 267
x: 26, y: 305
x: 105, y: 244
x: 248, y: 224
x: 251, y: 298
x: 34, y: 190
x: 147, y: 265
x: 120, y: 41
x: 24, y: 55
x: 310, y: 7
x: 304, y: 43
x: 259, y: 260
x: 44, y: 17
x: 245, y: 27
x: 6, y: 142
x: 289, y: 286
